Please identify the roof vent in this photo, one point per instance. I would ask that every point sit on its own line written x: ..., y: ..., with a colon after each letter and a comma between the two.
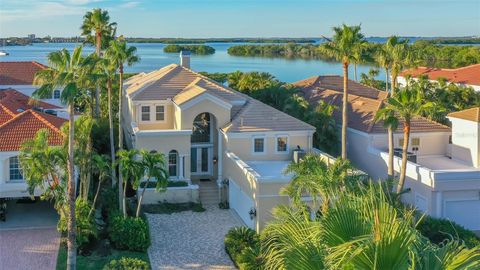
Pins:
x: 185, y: 59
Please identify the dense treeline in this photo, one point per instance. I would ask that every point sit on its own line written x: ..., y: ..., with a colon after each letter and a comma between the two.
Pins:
x: 424, y: 53
x: 466, y: 40
x: 195, y: 49
x: 218, y: 40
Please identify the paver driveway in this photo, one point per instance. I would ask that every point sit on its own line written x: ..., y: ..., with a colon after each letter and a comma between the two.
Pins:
x: 190, y: 240
x: 24, y: 249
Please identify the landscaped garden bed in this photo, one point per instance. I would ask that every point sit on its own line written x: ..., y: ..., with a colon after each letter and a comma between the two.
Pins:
x: 176, y: 192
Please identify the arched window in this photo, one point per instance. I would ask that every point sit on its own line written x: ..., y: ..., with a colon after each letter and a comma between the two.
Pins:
x: 201, y: 128
x: 173, y: 163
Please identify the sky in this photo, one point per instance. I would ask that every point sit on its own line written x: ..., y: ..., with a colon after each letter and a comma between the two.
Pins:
x: 245, y: 18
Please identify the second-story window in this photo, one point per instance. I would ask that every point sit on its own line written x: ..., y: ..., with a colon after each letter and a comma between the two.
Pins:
x: 15, y: 171
x: 259, y: 145
x: 282, y: 144
x: 159, y: 113
x: 56, y: 94
x: 145, y: 113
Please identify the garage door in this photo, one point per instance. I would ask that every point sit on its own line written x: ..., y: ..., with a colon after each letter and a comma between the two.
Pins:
x: 465, y: 213
x: 240, y: 202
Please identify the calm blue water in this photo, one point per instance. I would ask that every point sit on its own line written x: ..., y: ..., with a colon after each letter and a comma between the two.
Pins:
x: 153, y: 57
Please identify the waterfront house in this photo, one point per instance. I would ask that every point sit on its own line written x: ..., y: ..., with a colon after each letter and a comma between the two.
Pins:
x: 443, y: 168
x: 214, y: 136
x: 466, y: 76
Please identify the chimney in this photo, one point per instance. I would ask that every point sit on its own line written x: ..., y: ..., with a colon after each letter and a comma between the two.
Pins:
x: 185, y: 59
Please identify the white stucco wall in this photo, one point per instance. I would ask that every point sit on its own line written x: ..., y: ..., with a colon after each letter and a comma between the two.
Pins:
x: 465, y: 141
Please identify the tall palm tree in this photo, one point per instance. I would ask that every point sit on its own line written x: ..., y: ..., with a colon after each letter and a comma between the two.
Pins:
x: 391, y: 123
x: 400, y: 58
x: 345, y: 42
x: 406, y: 104
x: 382, y: 58
x: 120, y: 54
x: 132, y: 170
x: 98, y: 30
x: 66, y: 71
x: 154, y: 165
x: 108, y: 73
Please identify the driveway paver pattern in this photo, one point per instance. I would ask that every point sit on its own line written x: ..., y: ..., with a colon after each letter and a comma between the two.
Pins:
x: 191, y: 240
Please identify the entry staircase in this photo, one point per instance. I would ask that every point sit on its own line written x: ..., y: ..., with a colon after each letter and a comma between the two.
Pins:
x: 208, y: 192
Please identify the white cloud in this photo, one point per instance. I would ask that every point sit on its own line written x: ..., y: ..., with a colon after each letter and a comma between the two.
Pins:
x: 130, y: 4
x: 40, y: 10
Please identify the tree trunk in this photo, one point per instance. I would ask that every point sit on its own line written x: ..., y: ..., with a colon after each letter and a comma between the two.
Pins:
x: 406, y: 137
x: 139, y: 205
x: 390, y: 153
x: 95, y: 198
x: 124, y: 200
x: 110, y: 124
x: 71, y: 239
x: 394, y: 82
x: 355, y: 71
x: 345, y: 111
x: 386, y: 80
x: 120, y: 133
x: 98, y: 45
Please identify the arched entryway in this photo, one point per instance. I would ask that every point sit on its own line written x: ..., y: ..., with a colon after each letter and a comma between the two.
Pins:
x: 203, y: 146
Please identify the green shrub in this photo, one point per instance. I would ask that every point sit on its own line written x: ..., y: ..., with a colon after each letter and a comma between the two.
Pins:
x: 437, y: 230
x: 86, y: 229
x: 239, y: 239
x: 251, y: 258
x: 109, y: 200
x: 129, y: 233
x: 127, y: 264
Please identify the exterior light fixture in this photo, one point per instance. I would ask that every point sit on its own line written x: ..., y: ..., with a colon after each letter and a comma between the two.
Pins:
x: 215, y: 160
x: 252, y: 213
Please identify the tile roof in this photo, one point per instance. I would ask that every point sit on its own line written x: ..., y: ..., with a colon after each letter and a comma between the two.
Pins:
x: 464, y: 75
x: 12, y: 102
x: 472, y: 114
x: 364, y: 102
x: 182, y: 84
x: 25, y: 125
x: 19, y: 73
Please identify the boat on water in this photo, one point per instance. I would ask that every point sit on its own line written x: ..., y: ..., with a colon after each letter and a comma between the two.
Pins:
x: 3, y: 53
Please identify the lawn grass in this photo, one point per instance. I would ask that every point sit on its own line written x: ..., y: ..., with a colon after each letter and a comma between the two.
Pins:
x: 95, y: 261
x: 169, y: 208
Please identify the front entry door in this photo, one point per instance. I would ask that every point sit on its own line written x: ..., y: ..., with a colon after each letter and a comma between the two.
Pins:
x: 201, y: 160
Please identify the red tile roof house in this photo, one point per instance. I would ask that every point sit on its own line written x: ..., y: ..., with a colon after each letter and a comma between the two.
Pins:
x: 20, y: 121
x: 443, y: 171
x: 467, y: 76
x: 20, y: 76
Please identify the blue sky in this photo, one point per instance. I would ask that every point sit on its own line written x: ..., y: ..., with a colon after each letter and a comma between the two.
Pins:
x: 245, y: 18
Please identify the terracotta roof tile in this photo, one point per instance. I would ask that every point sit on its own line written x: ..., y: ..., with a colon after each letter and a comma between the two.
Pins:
x: 464, y: 75
x: 16, y: 102
x: 19, y: 73
x: 24, y: 126
x: 472, y: 114
x: 364, y: 102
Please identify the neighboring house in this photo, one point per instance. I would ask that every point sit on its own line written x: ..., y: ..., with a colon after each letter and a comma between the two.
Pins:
x: 466, y: 76
x: 20, y: 76
x: 15, y: 128
x: 443, y: 169
x: 210, y: 132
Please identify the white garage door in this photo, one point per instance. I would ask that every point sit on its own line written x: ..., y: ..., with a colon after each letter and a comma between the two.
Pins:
x: 465, y: 213
x: 240, y: 202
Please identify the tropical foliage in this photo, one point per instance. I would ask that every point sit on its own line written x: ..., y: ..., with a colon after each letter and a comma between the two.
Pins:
x: 195, y: 49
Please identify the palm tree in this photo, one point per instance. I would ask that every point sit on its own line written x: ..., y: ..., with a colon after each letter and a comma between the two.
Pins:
x: 345, y: 42
x: 44, y: 166
x: 108, y: 72
x: 406, y: 104
x: 400, y: 57
x: 154, y: 166
x: 98, y: 30
x: 132, y: 170
x: 66, y: 71
x: 390, y: 121
x: 382, y: 59
x: 120, y: 54
x: 102, y: 168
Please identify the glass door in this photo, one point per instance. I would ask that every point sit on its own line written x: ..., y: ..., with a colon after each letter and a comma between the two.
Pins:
x: 200, y: 160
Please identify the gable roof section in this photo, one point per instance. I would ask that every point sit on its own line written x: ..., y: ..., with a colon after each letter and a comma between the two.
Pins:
x: 19, y: 73
x: 464, y: 75
x: 25, y: 126
x: 12, y: 102
x: 364, y: 102
x: 472, y: 114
